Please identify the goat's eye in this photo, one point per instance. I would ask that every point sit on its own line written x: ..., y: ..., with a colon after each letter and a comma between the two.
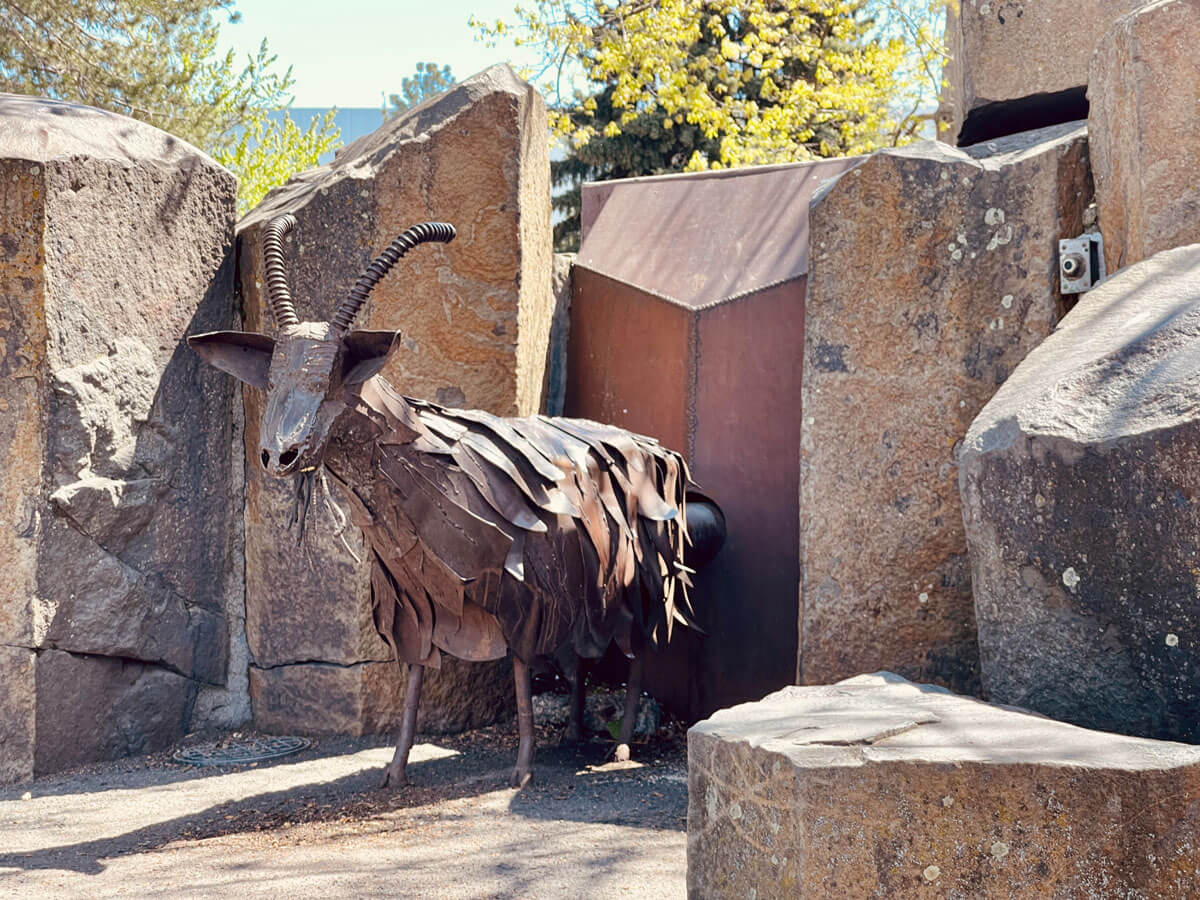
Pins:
x: 287, y: 457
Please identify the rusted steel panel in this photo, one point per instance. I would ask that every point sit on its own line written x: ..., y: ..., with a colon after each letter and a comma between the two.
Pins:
x: 724, y: 383
x: 703, y: 238
x: 745, y: 449
x: 593, y: 198
x: 627, y: 359
x: 628, y: 363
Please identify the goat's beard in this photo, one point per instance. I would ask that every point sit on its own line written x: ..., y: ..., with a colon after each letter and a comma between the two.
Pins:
x: 303, y: 500
x: 305, y: 481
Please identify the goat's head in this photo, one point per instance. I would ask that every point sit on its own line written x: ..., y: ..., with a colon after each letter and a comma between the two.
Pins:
x: 309, y: 367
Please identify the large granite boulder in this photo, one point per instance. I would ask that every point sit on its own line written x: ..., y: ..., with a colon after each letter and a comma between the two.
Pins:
x: 876, y: 787
x: 476, y: 320
x: 933, y: 273
x: 1081, y: 495
x: 1015, y: 65
x: 117, y: 486
x: 1144, y: 127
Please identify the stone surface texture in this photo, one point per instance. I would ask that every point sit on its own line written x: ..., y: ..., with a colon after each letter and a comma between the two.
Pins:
x: 101, y: 707
x: 1006, y: 50
x: 18, y: 702
x: 367, y: 698
x: 119, y: 528
x: 1144, y: 127
x: 1081, y: 495
x: 877, y: 787
x: 560, y: 329
x: 475, y: 315
x: 933, y: 274
x: 601, y: 713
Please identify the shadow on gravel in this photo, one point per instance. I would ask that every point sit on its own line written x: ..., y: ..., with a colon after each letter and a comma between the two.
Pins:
x: 160, y: 769
x: 572, y: 784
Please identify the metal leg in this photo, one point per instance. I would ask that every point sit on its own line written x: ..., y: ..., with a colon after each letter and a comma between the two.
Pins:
x: 523, y: 773
x: 395, y: 774
x: 574, y: 733
x: 633, y: 696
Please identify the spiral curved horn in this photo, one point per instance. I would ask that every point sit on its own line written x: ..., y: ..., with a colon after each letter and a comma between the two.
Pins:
x: 439, y: 232
x: 278, y: 295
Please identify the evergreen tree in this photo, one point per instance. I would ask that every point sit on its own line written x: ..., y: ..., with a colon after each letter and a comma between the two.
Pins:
x: 427, y: 81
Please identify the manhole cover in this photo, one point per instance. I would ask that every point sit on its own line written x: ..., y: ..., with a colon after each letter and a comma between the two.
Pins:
x: 241, y: 751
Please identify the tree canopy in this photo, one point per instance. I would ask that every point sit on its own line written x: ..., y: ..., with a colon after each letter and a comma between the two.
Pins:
x: 158, y: 61
x: 425, y: 82
x: 641, y: 87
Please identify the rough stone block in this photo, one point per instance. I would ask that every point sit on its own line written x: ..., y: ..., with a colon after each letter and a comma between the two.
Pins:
x: 1144, y: 128
x: 876, y: 787
x: 686, y: 322
x: 17, y: 704
x: 560, y: 329
x: 475, y: 315
x: 933, y: 273
x: 96, y: 707
x: 367, y: 698
x: 1016, y: 65
x: 115, y: 242
x: 1081, y: 495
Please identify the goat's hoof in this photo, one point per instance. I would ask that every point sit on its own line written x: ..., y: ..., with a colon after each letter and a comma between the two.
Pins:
x: 622, y: 753
x: 521, y: 777
x: 397, y: 778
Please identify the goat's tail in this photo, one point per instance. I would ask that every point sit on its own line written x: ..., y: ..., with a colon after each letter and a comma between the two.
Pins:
x: 706, y: 530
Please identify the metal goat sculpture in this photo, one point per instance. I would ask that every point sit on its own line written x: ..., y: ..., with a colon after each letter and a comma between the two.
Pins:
x: 547, y: 537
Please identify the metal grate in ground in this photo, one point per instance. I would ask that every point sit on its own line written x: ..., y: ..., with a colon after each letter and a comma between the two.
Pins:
x: 241, y: 751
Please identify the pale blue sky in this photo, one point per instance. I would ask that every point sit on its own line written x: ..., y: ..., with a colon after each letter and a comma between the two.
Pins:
x: 349, y: 52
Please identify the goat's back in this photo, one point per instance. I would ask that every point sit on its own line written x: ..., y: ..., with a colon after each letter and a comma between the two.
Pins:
x: 536, y: 533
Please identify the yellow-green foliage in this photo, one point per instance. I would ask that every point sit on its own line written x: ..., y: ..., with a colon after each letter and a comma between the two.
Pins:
x: 760, y: 81
x: 269, y: 151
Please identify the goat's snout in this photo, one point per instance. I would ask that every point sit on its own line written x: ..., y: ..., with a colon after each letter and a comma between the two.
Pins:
x: 281, y: 464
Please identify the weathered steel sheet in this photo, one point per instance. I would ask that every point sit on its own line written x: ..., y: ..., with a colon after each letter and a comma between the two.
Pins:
x: 687, y: 323
x: 704, y: 238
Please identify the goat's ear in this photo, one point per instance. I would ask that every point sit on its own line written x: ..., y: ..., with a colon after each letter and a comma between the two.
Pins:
x: 366, y: 353
x: 243, y: 354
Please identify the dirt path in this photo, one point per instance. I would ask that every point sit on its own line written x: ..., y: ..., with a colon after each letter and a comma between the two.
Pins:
x: 314, y: 825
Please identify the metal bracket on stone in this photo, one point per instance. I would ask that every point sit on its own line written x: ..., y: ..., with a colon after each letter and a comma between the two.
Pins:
x: 1081, y: 263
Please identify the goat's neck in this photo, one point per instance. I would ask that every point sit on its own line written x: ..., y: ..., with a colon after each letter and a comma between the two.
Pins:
x: 375, y: 412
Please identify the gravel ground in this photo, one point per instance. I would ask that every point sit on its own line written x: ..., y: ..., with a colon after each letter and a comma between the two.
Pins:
x: 315, y: 825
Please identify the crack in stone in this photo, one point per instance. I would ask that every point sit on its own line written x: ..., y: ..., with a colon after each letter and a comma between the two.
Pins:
x: 317, y: 662
x: 882, y: 735
x: 156, y: 664
x: 812, y: 735
x: 191, y: 609
x: 142, y: 574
